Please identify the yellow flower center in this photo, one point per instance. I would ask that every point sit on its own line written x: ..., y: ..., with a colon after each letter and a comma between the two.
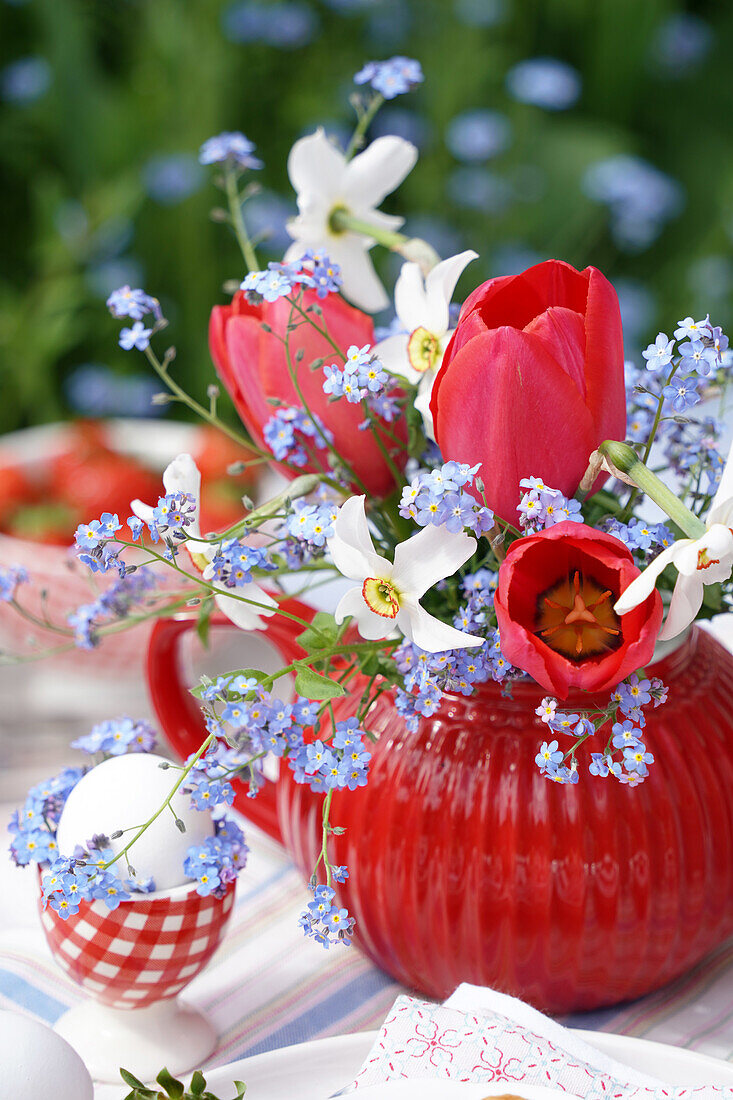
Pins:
x: 381, y: 597
x: 423, y: 349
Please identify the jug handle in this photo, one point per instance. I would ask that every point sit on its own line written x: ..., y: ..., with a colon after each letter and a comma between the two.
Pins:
x: 179, y: 713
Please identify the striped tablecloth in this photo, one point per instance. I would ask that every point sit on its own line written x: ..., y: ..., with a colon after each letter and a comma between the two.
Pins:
x: 268, y: 987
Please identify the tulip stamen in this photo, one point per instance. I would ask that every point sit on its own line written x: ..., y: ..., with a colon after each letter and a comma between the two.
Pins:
x: 576, y: 617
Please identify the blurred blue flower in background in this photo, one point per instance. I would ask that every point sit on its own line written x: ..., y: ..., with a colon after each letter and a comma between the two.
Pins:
x: 25, y: 80
x: 286, y: 25
x: 479, y: 189
x: 544, y: 82
x: 481, y: 13
x: 638, y: 306
x: 680, y: 44
x: 171, y: 178
x: 640, y: 198
x: 266, y: 214
x: 95, y: 390
x: 404, y: 123
x: 102, y: 278
x: 477, y: 135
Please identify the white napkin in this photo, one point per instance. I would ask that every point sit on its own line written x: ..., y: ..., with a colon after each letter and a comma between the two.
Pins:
x: 485, y: 1037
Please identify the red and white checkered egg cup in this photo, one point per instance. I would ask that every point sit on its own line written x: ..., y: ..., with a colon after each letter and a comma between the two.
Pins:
x: 133, y: 961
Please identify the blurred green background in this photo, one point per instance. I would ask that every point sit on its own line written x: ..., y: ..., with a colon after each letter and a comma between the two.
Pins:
x: 617, y: 152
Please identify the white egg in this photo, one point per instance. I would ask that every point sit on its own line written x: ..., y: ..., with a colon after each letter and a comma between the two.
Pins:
x: 36, y: 1062
x: 126, y: 791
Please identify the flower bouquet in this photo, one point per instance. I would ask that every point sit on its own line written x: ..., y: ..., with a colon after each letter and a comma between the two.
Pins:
x: 487, y: 482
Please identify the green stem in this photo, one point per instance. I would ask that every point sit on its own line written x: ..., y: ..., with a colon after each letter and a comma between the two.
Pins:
x: 624, y: 458
x: 342, y: 221
x: 235, y: 210
x: 357, y: 138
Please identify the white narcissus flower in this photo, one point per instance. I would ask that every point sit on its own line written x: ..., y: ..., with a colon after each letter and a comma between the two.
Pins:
x: 701, y: 561
x: 422, y: 304
x: 387, y: 594
x: 325, y: 181
x: 182, y: 475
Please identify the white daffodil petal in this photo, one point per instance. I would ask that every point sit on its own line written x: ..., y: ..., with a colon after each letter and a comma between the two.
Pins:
x: 378, y: 219
x: 245, y: 615
x: 392, y: 354
x: 315, y: 166
x: 361, y: 284
x: 409, y: 298
x: 439, y: 286
x: 351, y: 546
x: 142, y: 511
x: 722, y: 504
x: 377, y: 171
x: 422, y: 402
x: 686, y: 601
x: 428, y: 557
x: 182, y: 475
x: 428, y: 632
x: 370, y: 625
x: 643, y: 585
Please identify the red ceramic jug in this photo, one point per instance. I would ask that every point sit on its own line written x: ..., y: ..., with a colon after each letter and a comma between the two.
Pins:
x: 466, y: 864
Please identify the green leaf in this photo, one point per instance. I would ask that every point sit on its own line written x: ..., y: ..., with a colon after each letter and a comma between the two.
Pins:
x: 241, y: 1089
x: 198, y: 1083
x: 173, y: 1087
x: 250, y: 674
x: 314, y: 686
x: 322, y: 632
x: 130, y: 1079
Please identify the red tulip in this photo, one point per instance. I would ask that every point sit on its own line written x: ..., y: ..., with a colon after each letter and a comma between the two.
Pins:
x: 554, y: 608
x: 532, y: 380
x: 252, y: 364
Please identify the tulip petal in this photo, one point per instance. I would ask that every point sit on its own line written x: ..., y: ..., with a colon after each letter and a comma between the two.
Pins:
x: 439, y: 286
x: 642, y: 587
x: 410, y: 299
x: 351, y: 546
x: 685, y: 604
x: 604, y: 366
x: 429, y: 633
x: 376, y: 171
x: 503, y: 401
x: 316, y: 166
x: 428, y: 557
x: 370, y: 625
x: 562, y: 331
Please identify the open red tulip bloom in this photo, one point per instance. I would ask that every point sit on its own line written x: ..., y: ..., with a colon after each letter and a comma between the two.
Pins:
x: 533, y: 380
x: 253, y: 366
x: 554, y: 607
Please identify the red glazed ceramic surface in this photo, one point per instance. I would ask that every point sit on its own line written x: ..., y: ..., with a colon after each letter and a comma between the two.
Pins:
x: 466, y: 864
x: 141, y: 952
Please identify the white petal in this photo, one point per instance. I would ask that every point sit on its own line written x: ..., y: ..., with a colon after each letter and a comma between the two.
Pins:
x: 244, y: 615
x: 410, y: 300
x: 378, y: 219
x: 422, y: 402
x: 182, y: 475
x: 717, y: 544
x: 429, y: 556
x: 428, y: 632
x: 686, y: 600
x: 361, y: 282
x: 351, y: 546
x: 392, y: 354
x: 316, y: 167
x: 643, y: 585
x: 722, y: 505
x: 370, y: 625
x: 377, y: 171
x: 142, y: 511
x: 439, y: 287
